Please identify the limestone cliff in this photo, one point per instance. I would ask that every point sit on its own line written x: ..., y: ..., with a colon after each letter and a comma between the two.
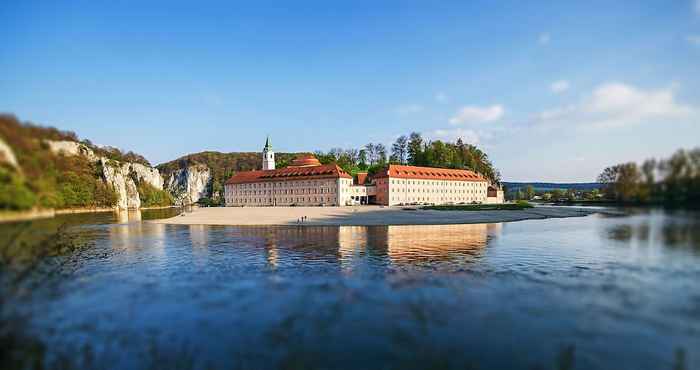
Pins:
x: 189, y: 184
x: 7, y: 155
x: 122, y: 176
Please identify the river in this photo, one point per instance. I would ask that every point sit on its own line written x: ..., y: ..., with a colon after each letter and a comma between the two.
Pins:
x: 595, y: 292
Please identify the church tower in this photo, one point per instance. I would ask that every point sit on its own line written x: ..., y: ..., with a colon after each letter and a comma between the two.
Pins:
x: 268, y: 156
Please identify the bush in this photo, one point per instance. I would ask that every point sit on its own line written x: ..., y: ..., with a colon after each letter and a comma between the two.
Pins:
x: 14, y: 193
x: 153, y: 197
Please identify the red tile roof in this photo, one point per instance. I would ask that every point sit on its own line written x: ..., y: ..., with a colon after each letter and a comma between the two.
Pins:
x: 326, y: 171
x: 428, y: 173
x: 304, y: 160
x: 361, y: 178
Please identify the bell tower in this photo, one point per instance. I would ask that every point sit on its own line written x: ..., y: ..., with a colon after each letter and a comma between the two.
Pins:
x: 268, y: 161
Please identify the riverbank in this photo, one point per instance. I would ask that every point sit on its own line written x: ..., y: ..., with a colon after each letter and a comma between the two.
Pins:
x: 36, y: 214
x: 361, y: 216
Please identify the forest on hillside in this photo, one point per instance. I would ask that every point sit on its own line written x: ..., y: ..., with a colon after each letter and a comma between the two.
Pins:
x: 45, y: 180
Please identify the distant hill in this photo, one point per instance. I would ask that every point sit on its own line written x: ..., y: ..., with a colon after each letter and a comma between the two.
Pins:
x: 549, y: 186
x: 214, y: 168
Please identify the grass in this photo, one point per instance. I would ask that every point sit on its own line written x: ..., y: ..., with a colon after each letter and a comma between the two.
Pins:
x: 482, y: 207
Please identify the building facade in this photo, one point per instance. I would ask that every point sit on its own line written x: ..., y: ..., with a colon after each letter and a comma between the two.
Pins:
x: 397, y: 185
x: 306, y: 182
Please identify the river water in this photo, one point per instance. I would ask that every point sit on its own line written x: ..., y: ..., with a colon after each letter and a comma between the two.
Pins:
x: 596, y: 292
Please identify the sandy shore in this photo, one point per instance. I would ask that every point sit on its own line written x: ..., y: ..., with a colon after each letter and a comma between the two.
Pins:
x: 360, y: 216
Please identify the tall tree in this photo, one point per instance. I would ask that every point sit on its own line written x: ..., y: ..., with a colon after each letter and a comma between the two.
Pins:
x: 371, y: 151
x: 415, y: 149
x: 381, y: 154
x: 399, y: 149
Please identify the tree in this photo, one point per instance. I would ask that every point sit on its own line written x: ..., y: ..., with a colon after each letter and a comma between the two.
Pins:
x: 362, y: 159
x: 381, y: 154
x: 529, y: 192
x: 371, y: 151
x: 628, y: 178
x: 399, y: 149
x: 415, y: 149
x: 608, y: 178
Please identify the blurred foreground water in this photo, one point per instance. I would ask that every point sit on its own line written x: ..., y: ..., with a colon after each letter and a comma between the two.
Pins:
x: 579, y: 293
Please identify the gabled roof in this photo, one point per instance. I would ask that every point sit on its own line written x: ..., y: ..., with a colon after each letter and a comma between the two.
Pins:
x: 428, y: 173
x: 331, y: 171
x: 361, y: 178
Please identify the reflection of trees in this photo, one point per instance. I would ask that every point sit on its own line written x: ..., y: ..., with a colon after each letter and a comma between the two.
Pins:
x: 671, y: 233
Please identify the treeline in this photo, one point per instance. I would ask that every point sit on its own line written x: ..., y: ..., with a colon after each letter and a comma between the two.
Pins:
x: 673, y: 181
x: 412, y: 150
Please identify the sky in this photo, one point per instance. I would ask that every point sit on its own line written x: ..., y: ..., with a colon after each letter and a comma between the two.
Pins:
x: 551, y: 90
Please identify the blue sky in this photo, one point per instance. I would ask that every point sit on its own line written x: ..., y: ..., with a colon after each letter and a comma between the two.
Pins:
x: 553, y: 91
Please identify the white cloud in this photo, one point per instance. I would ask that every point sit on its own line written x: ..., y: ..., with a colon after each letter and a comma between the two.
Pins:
x: 694, y: 39
x: 616, y: 104
x: 544, y: 38
x: 441, y: 97
x: 475, y: 114
x: 560, y: 86
x: 451, y: 135
x: 409, y: 109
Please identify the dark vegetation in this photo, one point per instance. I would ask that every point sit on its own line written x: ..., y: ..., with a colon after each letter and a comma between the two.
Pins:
x: 153, y: 197
x: 673, y: 182
x: 520, y: 205
x: 415, y: 151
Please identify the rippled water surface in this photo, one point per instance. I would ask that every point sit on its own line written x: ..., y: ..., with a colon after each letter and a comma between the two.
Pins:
x: 577, y: 293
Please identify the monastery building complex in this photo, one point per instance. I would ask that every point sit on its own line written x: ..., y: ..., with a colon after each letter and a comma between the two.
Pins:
x: 307, y: 182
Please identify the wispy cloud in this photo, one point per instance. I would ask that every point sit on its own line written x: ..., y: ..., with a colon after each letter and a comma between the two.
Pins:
x: 451, y: 135
x: 441, y: 97
x: 616, y: 104
x: 544, y: 38
x: 409, y: 109
x: 476, y: 114
x: 560, y: 86
x: 697, y: 6
x: 694, y: 39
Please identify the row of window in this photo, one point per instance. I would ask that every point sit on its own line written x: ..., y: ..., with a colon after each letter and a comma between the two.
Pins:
x: 289, y: 200
x: 438, y: 183
x: 266, y: 185
x: 420, y: 190
x: 287, y: 191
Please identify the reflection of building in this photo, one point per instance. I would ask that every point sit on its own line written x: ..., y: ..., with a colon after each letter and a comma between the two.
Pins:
x: 309, y: 183
x: 352, y: 246
x: 410, y: 244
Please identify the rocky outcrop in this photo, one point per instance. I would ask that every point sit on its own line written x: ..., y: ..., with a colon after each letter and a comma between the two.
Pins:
x: 71, y: 148
x: 118, y: 175
x: 7, y: 155
x: 190, y: 184
x: 122, y: 176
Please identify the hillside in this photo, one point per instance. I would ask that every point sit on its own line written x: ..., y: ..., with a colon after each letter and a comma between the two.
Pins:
x: 201, y: 176
x: 43, y: 167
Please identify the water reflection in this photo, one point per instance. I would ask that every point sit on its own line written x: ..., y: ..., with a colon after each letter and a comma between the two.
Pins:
x: 349, y: 246
x: 672, y: 232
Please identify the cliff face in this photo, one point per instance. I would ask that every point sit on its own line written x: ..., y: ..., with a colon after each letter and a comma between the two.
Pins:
x: 120, y: 175
x: 190, y: 184
x: 7, y: 155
